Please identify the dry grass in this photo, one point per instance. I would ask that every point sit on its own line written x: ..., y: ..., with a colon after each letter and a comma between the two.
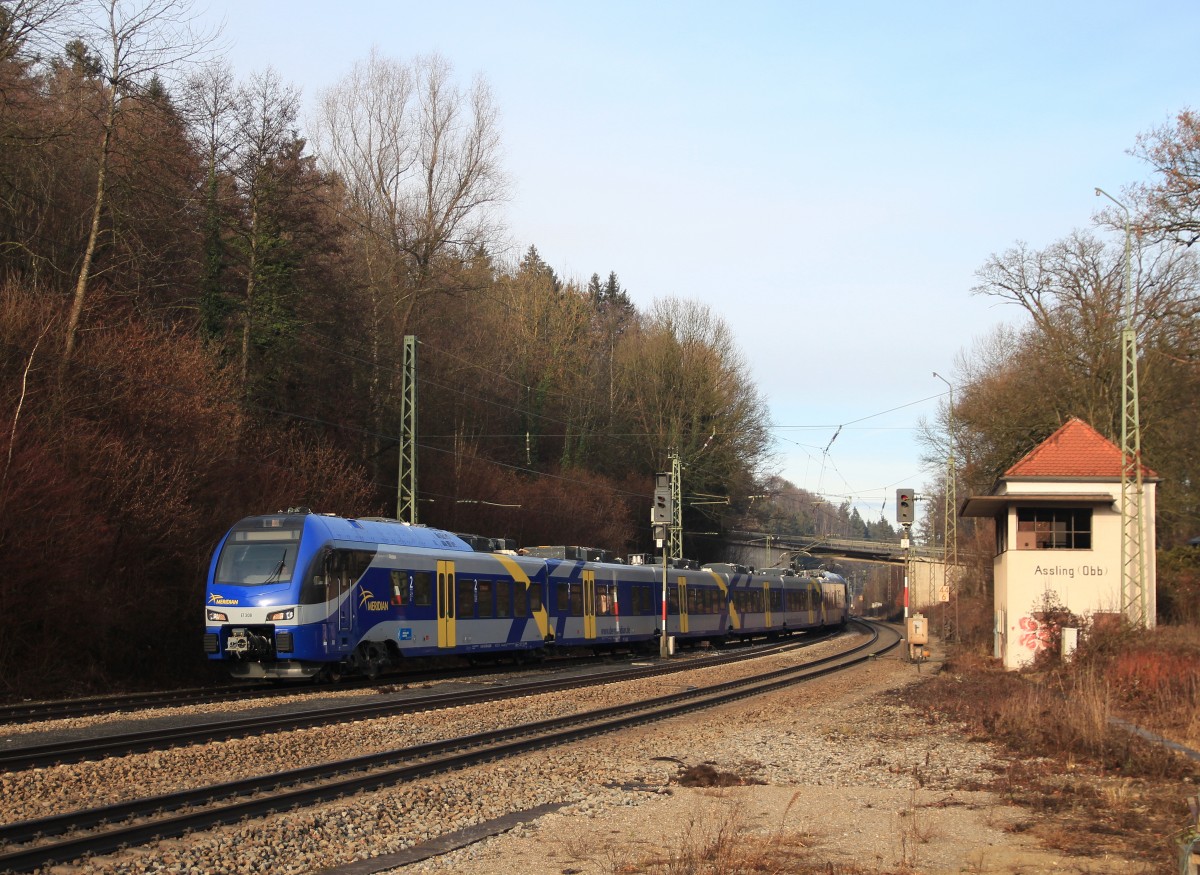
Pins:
x: 1090, y: 786
x: 729, y: 845
x: 1156, y: 682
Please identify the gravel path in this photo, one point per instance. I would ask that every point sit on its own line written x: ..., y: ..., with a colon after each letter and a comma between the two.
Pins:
x: 848, y: 776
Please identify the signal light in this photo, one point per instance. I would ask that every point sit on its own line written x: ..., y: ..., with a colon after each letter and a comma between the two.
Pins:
x: 904, y: 505
x: 660, y: 511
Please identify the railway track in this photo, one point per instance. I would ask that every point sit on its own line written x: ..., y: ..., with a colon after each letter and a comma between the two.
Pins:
x: 92, y: 706
x: 59, y: 839
x: 20, y: 758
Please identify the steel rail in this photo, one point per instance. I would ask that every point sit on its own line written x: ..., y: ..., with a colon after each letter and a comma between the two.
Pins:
x: 17, y: 759
x: 375, y: 770
x: 90, y: 706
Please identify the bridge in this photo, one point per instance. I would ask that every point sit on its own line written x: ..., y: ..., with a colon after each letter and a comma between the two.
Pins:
x: 773, y: 550
x: 926, y: 570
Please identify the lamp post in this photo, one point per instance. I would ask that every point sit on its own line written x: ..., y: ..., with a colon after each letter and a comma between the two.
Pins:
x: 1134, y: 596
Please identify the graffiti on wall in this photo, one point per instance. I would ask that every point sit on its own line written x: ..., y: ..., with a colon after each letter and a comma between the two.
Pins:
x: 1035, y: 635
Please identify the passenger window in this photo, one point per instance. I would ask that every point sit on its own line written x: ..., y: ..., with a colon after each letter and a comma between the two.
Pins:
x: 603, y: 600
x: 464, y: 599
x: 483, y: 595
x: 399, y: 587
x: 577, y: 601
x: 535, y: 597
x: 422, y: 588
x: 504, y: 598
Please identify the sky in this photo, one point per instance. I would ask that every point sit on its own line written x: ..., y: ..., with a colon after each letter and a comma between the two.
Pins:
x: 826, y: 177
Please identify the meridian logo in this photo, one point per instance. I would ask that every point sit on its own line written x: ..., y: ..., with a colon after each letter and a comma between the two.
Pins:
x: 214, y: 599
x: 366, y: 599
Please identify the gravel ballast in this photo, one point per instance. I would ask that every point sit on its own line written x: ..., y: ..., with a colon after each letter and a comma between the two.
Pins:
x: 838, y: 764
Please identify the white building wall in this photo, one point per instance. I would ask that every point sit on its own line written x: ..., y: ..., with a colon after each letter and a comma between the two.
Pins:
x: 1086, y: 582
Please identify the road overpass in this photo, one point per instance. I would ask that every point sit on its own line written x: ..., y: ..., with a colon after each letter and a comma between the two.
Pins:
x: 926, y: 571
x: 777, y: 550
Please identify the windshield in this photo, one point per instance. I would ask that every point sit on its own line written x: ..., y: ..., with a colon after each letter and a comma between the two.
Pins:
x: 258, y: 557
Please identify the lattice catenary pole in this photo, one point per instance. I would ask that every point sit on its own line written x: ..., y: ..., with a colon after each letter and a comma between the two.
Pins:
x: 406, y: 490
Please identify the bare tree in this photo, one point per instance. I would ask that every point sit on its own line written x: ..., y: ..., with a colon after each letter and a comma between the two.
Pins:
x: 1171, y: 203
x: 1066, y: 360
x: 689, y: 389
x: 419, y: 158
x: 134, y: 43
x: 31, y: 27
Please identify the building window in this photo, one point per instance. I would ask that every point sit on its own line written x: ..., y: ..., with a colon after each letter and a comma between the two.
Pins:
x: 1054, y: 528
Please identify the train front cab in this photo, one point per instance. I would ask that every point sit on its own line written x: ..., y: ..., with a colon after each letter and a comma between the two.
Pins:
x: 250, y: 608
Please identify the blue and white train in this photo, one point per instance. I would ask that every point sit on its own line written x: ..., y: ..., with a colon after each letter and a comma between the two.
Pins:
x: 295, y: 595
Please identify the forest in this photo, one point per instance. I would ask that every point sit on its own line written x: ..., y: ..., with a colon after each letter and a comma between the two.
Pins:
x: 203, y: 310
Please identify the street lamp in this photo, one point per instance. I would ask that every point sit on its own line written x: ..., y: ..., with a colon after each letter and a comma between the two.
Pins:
x: 1134, y: 596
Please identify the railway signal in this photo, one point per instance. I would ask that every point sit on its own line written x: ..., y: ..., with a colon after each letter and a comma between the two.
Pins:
x: 660, y: 511
x: 904, y: 506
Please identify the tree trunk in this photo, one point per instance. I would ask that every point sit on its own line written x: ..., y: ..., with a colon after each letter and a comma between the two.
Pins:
x: 89, y: 252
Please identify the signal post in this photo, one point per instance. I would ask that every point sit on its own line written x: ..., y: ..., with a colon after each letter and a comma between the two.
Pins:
x: 905, y: 503
x: 661, y: 516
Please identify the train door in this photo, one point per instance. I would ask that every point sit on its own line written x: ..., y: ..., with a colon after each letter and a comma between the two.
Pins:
x: 589, y: 605
x: 445, y: 605
x: 683, y: 606
x: 767, y: 603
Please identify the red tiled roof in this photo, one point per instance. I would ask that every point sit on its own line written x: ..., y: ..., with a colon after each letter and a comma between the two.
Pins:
x: 1075, y: 450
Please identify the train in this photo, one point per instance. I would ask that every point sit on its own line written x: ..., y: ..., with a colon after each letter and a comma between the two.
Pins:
x: 298, y: 595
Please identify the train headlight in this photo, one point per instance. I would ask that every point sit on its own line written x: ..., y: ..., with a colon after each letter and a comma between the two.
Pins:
x: 217, y: 616
x: 282, y: 615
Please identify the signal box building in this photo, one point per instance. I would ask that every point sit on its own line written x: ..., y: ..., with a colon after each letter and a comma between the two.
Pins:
x: 1058, y: 540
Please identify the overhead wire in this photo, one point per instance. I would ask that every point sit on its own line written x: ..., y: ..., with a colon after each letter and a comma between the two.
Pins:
x: 362, y: 431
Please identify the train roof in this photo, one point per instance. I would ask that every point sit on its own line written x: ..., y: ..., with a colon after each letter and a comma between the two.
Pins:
x: 367, y: 530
